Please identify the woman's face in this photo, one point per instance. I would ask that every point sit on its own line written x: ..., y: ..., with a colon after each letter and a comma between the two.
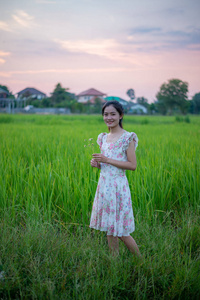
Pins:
x: 111, y: 116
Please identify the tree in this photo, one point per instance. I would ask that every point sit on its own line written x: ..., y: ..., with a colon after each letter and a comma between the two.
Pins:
x: 152, y: 108
x: 142, y: 101
x: 43, y: 103
x: 131, y: 94
x: 173, y: 94
x: 196, y: 103
x: 97, y: 105
x: 46, y: 102
x: 5, y: 88
x: 161, y: 107
x: 60, y: 97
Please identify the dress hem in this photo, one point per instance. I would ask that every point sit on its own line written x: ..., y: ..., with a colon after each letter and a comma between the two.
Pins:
x: 103, y: 230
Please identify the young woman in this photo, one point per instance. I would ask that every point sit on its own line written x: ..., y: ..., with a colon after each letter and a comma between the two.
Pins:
x: 112, y: 208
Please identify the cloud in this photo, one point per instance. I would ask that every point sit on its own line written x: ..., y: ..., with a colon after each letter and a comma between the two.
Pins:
x: 99, y: 47
x: 4, y: 26
x: 104, y: 48
x: 2, y: 61
x: 110, y: 49
x: 3, y: 54
x: 4, y: 74
x: 173, y: 11
x: 83, y: 70
x: 187, y: 37
x: 157, y: 39
x: 143, y: 30
x: 23, y: 19
x: 9, y: 74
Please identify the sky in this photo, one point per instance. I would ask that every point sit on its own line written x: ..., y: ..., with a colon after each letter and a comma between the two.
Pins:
x: 109, y: 45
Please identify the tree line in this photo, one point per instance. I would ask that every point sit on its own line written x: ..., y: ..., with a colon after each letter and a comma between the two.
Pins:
x: 172, y: 98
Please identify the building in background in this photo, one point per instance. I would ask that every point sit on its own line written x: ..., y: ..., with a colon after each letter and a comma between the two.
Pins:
x: 4, y: 94
x: 7, y: 101
x: 31, y: 93
x: 129, y: 106
x: 123, y: 102
x: 89, y: 96
x: 137, y: 109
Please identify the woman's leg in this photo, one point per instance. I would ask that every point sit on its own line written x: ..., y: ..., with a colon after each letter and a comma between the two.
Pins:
x: 130, y: 244
x: 113, y: 244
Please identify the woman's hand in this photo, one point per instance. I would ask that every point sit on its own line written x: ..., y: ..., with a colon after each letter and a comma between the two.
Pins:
x: 98, y: 157
x: 94, y: 163
x: 130, y: 164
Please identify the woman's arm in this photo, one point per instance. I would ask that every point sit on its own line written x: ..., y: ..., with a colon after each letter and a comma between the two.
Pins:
x: 130, y: 164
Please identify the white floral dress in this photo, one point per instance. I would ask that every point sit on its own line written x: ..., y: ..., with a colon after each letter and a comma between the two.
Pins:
x: 112, y: 208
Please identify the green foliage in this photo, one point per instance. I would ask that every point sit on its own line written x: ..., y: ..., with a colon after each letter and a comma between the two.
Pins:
x: 70, y: 261
x: 161, y: 107
x: 187, y: 119
x: 46, y: 102
x: 143, y: 101
x: 4, y: 87
x: 96, y: 107
x: 173, y: 94
x: 131, y: 93
x: 47, y: 188
x: 41, y: 155
x: 152, y: 108
x: 183, y: 119
x: 196, y: 103
x: 60, y: 97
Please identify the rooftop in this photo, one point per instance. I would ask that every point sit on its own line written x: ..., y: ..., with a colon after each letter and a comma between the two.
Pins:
x: 91, y: 92
x: 32, y: 91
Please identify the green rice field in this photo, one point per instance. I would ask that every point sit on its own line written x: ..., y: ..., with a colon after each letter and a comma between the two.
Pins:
x: 47, y: 186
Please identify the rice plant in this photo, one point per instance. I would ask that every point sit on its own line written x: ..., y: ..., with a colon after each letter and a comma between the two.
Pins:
x: 45, y: 165
x: 47, y: 188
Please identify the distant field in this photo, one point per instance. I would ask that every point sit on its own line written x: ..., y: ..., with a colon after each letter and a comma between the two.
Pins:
x: 44, y: 166
x: 47, y: 188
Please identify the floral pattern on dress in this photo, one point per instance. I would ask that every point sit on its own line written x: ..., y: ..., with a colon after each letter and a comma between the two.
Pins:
x: 112, y: 208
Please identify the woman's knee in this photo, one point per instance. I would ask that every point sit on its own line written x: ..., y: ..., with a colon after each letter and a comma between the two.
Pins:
x: 123, y: 238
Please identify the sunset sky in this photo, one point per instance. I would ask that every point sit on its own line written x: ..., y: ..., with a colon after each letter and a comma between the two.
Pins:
x: 110, y: 45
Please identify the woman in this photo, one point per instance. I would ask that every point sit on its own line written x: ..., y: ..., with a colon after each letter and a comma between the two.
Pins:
x: 112, y: 208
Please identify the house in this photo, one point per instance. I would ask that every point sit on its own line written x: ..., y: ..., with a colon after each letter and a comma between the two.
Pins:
x: 123, y: 102
x: 129, y: 106
x: 3, y: 93
x: 138, y: 109
x: 90, y: 96
x: 31, y: 93
x: 7, y: 100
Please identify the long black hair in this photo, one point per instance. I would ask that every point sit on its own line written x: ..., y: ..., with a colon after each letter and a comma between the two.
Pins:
x: 117, y: 106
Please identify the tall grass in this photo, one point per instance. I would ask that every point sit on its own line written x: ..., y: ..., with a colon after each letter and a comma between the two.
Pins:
x: 45, y: 167
x: 41, y: 261
x: 47, y: 188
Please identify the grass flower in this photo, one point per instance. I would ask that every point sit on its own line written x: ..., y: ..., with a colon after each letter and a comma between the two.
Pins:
x: 90, y: 145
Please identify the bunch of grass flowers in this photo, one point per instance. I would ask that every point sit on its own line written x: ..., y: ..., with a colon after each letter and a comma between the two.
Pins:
x: 90, y: 146
x: 89, y: 143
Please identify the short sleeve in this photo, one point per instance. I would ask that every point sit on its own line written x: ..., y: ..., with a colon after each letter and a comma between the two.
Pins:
x: 100, y: 139
x: 131, y: 136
